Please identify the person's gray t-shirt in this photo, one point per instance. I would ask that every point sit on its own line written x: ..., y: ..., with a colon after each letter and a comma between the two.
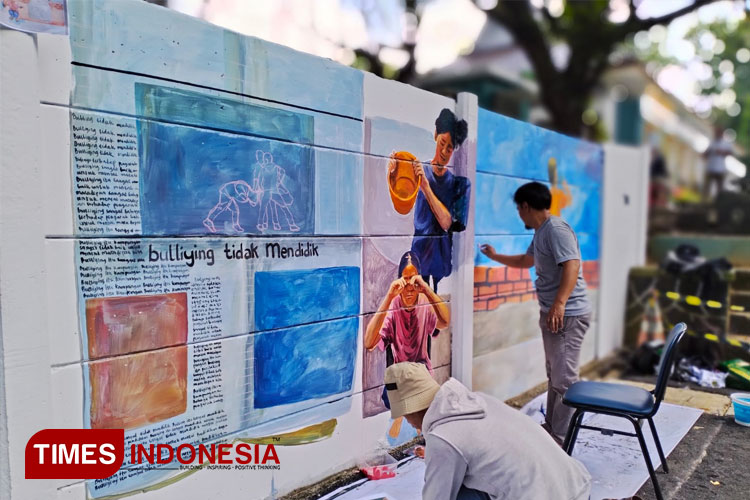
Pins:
x: 554, y: 243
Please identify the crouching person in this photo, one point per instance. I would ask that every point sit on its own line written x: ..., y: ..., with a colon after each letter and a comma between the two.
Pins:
x: 477, y: 447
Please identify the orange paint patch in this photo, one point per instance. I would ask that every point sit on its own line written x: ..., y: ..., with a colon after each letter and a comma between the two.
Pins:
x: 139, y: 389
x: 124, y: 325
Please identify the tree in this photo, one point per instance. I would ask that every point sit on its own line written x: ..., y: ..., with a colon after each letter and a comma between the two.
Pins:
x: 728, y: 82
x: 721, y: 64
x: 590, y: 36
x: 368, y: 59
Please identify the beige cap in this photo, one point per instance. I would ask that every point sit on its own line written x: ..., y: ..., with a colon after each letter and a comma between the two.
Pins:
x: 410, y: 388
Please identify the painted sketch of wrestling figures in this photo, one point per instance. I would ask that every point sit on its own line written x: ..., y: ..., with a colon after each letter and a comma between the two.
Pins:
x: 268, y: 191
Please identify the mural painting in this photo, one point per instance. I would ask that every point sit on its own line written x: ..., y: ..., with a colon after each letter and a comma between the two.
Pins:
x: 40, y: 16
x: 508, y: 355
x: 261, y: 184
x: 403, y: 273
x: 132, y: 391
x: 230, y: 223
x: 209, y: 346
x: 218, y: 298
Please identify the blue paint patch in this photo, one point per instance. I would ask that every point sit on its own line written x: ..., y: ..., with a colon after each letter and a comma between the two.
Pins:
x: 510, y: 147
x: 495, y: 209
x: 201, y: 110
x: 511, y: 153
x: 589, y: 244
x: 195, y: 181
x: 304, y: 363
x: 288, y: 298
x: 339, y: 179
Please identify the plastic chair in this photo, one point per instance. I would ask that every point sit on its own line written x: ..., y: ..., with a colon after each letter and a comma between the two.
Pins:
x: 625, y: 401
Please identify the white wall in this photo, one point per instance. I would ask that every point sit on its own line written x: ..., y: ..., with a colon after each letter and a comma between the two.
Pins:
x: 624, y: 226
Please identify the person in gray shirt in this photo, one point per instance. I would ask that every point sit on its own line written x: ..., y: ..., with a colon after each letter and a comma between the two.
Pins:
x: 565, y: 309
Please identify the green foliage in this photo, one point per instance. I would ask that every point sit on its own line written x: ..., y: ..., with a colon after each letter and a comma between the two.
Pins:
x: 733, y: 37
x: 592, y: 39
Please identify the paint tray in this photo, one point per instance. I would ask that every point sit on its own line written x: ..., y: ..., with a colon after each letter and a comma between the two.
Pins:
x: 378, y: 465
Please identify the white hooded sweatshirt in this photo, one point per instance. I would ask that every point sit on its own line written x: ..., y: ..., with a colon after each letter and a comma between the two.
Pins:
x: 480, y: 442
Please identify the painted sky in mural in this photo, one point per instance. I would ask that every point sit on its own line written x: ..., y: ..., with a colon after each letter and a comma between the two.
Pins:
x: 511, y: 153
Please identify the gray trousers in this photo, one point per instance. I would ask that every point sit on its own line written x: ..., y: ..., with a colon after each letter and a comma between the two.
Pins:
x: 562, y: 352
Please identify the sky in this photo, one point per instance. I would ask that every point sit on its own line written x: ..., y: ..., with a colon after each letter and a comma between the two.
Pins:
x: 332, y: 28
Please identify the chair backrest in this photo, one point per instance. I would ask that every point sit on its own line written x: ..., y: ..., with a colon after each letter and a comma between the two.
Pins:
x: 667, y: 359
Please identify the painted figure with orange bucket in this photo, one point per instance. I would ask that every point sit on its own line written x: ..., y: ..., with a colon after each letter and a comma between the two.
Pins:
x: 440, y: 199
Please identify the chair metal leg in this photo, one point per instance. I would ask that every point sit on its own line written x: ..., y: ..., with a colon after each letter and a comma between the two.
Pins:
x: 658, y: 446
x: 572, y: 434
x: 647, y: 457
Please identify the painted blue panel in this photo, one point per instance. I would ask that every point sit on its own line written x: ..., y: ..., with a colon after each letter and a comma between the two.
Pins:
x: 511, y: 153
x: 589, y: 244
x: 339, y: 186
x: 495, y: 210
x: 196, y: 181
x: 286, y: 298
x: 510, y: 147
x: 194, y: 108
x: 304, y: 363
x: 146, y: 39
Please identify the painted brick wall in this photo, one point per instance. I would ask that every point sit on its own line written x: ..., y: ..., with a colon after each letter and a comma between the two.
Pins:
x: 494, y: 286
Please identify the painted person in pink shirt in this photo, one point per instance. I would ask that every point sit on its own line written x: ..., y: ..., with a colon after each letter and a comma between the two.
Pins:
x: 409, y: 313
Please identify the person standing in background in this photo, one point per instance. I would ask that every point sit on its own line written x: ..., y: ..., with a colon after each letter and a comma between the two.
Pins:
x: 716, y: 163
x: 659, y: 188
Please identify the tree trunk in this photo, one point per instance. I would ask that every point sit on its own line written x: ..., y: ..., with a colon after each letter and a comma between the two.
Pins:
x: 565, y: 104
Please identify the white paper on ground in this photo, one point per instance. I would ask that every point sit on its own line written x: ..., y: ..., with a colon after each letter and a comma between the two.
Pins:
x: 407, y: 485
x: 616, y: 463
